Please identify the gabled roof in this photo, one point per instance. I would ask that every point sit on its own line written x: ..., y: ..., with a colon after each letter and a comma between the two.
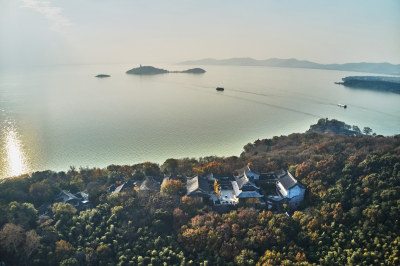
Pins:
x: 288, y: 181
x: 267, y: 176
x: 149, y: 184
x: 80, y: 203
x: 247, y: 171
x: 118, y: 189
x: 126, y: 185
x: 65, y: 196
x: 245, y: 181
x: 280, y: 173
x: 111, y: 188
x: 82, y: 195
x: 244, y: 194
x: 197, y: 184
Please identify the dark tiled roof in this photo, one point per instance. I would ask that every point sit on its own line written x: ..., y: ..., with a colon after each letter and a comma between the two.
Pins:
x: 149, y: 184
x: 280, y: 173
x: 244, y: 194
x: 126, y: 185
x: 111, y: 188
x: 64, y: 196
x: 197, y: 183
x: 78, y: 203
x: 265, y: 176
x: 245, y: 181
x: 241, y: 181
x: 82, y: 196
x: 287, y: 180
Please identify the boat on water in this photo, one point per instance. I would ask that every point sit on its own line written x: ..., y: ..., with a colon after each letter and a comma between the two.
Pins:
x: 220, y: 89
x: 342, y: 105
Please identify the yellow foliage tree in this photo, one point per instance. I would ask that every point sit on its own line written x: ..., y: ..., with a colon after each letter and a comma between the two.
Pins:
x: 216, y: 188
x: 64, y: 250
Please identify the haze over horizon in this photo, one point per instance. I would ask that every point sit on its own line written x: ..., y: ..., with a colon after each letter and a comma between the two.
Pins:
x: 38, y: 32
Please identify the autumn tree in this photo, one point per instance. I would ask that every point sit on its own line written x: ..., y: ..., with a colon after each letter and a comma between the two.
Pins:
x: 270, y: 258
x: 179, y: 218
x: 216, y: 188
x: 172, y: 187
x: 64, y: 250
x: 12, y: 238
x: 32, y: 244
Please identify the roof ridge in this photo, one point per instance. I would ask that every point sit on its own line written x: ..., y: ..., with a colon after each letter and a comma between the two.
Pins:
x: 291, y: 176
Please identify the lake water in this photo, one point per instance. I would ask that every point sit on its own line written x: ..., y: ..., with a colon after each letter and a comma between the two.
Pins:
x: 61, y: 116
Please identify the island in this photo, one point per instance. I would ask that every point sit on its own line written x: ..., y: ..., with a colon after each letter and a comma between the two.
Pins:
x: 150, y: 70
x: 196, y: 70
x: 102, y: 76
x: 381, y: 83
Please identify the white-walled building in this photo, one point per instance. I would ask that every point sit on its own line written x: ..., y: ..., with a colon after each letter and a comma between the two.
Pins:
x: 289, y: 188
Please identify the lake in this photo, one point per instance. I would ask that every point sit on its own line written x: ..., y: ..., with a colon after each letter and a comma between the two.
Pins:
x: 61, y: 116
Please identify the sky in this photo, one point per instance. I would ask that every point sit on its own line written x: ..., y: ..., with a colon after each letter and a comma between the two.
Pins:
x: 47, y: 32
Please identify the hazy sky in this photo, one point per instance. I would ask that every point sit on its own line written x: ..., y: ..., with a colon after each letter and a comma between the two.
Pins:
x: 37, y: 32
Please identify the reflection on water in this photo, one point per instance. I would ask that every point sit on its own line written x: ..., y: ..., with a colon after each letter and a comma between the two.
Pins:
x: 14, y: 159
x: 57, y: 117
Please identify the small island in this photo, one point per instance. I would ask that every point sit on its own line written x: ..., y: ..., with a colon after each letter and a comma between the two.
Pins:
x: 381, y: 83
x: 196, y: 70
x: 102, y: 76
x: 150, y: 70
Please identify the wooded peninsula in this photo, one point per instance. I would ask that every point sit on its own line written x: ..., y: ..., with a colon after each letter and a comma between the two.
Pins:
x: 150, y: 214
x: 380, y: 83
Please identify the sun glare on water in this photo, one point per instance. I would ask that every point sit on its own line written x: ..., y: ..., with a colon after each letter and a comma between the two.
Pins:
x: 15, y: 156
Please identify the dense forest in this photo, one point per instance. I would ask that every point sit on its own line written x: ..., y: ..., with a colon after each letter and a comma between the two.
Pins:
x: 350, y: 215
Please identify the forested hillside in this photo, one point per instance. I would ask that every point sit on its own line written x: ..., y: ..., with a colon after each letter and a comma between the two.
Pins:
x: 350, y: 215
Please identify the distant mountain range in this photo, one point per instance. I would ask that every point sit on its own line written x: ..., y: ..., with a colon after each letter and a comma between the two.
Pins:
x: 381, y: 68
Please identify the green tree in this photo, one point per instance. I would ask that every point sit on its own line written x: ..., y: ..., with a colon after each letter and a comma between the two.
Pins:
x: 23, y: 214
x: 367, y: 130
x: 246, y: 257
x: 170, y: 166
x: 41, y: 192
x: 63, y: 214
x: 69, y: 262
